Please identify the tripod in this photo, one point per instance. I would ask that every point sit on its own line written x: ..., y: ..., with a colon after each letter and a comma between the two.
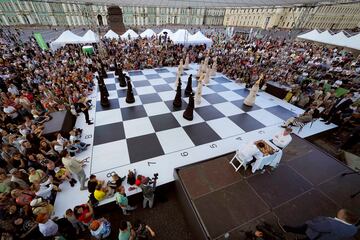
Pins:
x: 350, y: 173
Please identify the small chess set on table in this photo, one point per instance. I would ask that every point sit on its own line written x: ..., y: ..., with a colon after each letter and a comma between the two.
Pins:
x: 264, y: 148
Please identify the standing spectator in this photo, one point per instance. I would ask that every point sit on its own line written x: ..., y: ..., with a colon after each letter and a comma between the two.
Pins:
x: 70, y: 216
x: 76, y: 167
x: 125, y: 231
x: 123, y: 201
x: 84, y: 213
x: 148, y: 192
x: 143, y: 231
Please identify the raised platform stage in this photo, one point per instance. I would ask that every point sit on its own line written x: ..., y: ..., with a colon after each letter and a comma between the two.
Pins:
x: 308, y: 183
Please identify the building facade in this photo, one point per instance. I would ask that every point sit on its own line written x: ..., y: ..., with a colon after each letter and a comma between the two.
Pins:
x: 320, y: 16
x: 43, y: 13
x: 340, y: 16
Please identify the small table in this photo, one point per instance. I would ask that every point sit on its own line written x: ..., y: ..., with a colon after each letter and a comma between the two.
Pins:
x: 267, y: 160
x: 277, y: 89
x: 61, y: 122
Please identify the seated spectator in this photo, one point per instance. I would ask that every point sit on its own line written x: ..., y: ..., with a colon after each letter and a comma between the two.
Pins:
x: 47, y: 227
x: 283, y: 138
x: 84, y: 213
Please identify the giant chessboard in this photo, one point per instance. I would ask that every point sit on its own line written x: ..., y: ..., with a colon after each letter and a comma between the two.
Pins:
x: 151, y: 127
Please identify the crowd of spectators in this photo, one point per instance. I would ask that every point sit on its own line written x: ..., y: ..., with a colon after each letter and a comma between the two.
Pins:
x: 35, y: 83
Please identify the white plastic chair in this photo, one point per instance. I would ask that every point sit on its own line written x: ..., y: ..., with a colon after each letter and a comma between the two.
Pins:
x: 241, y: 160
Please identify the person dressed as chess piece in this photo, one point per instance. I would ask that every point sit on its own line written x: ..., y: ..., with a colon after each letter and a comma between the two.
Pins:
x: 214, y: 67
x: 250, y: 99
x: 180, y: 71
x: 177, y: 101
x: 122, y: 80
x: 129, y: 94
x: 207, y: 76
x: 198, y: 74
x: 199, y: 91
x: 102, y: 70
x: 186, y: 66
x: 189, y: 111
x: 188, y: 89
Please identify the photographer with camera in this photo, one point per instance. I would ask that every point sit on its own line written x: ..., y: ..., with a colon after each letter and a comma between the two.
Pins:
x: 148, y: 189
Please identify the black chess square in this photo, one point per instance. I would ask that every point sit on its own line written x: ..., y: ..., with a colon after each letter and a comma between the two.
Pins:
x: 110, y: 75
x: 281, y: 112
x: 209, y: 113
x: 175, y: 109
x: 214, y: 98
x: 201, y: 133
x: 109, y: 133
x: 152, y: 76
x: 246, y: 122
x: 114, y: 104
x: 135, y: 73
x: 150, y: 98
x: 143, y: 83
x: 161, y: 70
x: 242, y: 92
x: 122, y: 92
x: 162, y: 88
x: 133, y: 112
x: 144, y: 147
x: 240, y: 104
x: 164, y: 122
x: 170, y: 79
x: 221, y: 80
x: 218, y: 88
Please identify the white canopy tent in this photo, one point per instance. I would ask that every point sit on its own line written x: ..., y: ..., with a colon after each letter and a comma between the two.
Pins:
x: 169, y: 32
x: 111, y: 35
x: 339, y: 39
x: 353, y: 42
x: 181, y: 36
x: 148, y: 33
x: 129, y: 34
x: 199, y: 39
x: 66, y: 37
x: 90, y: 37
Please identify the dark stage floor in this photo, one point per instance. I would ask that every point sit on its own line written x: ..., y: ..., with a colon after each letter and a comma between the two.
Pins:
x: 306, y: 184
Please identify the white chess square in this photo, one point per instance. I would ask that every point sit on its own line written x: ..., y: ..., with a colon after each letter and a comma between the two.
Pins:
x: 124, y: 104
x: 228, y: 109
x: 225, y: 128
x: 110, y: 80
x: 167, y: 74
x: 264, y: 102
x: 174, y: 140
x: 158, y: 81
x: 233, y: 85
x: 230, y: 96
x: 156, y: 108
x: 183, y: 122
x: 206, y: 90
x: 145, y: 90
x: 149, y: 71
x: 138, y: 127
x: 107, y: 117
x: 167, y: 96
x: 109, y: 155
x: 137, y: 78
x: 265, y: 117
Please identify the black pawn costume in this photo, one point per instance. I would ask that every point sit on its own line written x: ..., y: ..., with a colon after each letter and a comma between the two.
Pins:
x: 188, y: 89
x: 189, y: 111
x: 129, y: 94
x: 177, y: 101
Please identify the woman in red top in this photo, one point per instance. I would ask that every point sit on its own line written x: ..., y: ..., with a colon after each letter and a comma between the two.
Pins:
x: 84, y: 213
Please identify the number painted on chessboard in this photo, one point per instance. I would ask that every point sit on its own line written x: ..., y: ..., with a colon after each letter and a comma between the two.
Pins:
x: 86, y: 160
x: 261, y: 132
x: 213, y: 145
x: 239, y: 138
x: 184, y: 154
x: 149, y: 163
x: 88, y: 136
x: 110, y: 174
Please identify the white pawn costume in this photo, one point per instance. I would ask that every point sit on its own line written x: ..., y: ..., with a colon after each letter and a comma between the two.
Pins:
x: 199, y: 90
x: 179, y: 72
x: 198, y: 74
x: 187, y: 62
x: 250, y: 99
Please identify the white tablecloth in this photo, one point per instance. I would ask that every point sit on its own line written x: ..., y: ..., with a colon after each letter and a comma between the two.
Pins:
x: 270, y: 160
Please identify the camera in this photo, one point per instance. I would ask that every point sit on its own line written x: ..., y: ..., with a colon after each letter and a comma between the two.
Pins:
x: 153, y: 180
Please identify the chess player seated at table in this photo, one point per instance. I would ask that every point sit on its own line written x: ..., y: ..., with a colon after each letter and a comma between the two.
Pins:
x: 283, y: 138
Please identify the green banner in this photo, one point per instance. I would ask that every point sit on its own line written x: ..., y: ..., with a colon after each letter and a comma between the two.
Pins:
x: 40, y: 41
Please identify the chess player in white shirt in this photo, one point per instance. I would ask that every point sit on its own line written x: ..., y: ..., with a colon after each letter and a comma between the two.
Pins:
x: 283, y: 138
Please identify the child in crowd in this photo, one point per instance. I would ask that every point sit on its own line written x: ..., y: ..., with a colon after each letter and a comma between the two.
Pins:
x: 70, y: 216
